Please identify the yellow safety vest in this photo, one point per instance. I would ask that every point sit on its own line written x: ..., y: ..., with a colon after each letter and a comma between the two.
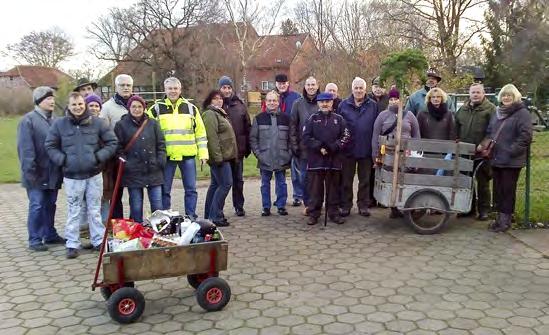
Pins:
x: 183, y: 129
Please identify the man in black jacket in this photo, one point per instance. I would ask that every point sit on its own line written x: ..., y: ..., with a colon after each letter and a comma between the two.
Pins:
x: 325, y: 135
x: 39, y: 176
x: 81, y: 144
x: 240, y: 121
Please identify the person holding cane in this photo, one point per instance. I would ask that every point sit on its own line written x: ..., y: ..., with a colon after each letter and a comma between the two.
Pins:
x: 325, y: 135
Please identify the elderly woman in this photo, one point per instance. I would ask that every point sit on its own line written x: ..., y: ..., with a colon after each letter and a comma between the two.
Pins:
x: 510, y: 130
x: 436, y: 120
x: 145, y: 155
x: 222, y: 150
x: 385, y: 125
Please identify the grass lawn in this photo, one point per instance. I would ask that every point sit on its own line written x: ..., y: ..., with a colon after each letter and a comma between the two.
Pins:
x: 9, y: 169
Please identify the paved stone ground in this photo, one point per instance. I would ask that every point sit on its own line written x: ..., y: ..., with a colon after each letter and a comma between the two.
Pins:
x: 369, y: 276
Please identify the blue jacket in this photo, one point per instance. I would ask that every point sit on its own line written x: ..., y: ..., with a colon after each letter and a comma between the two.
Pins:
x: 286, y: 101
x: 37, y: 170
x: 326, y: 131
x: 416, y: 102
x: 80, y: 146
x: 360, y: 121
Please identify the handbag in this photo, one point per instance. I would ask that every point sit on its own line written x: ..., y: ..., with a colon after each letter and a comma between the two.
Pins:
x: 487, y: 145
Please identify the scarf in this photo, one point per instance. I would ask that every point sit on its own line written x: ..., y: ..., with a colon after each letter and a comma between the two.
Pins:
x: 138, y: 121
x: 121, y: 101
x: 437, y: 113
x: 79, y: 120
x: 217, y: 109
x: 503, y: 112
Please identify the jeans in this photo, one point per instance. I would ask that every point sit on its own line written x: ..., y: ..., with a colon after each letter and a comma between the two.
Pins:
x: 237, y: 168
x: 297, y: 179
x: 301, y: 165
x: 136, y: 201
x: 76, y: 190
x: 188, y: 172
x: 41, y: 218
x: 105, y: 204
x: 221, y: 182
x: 281, y: 189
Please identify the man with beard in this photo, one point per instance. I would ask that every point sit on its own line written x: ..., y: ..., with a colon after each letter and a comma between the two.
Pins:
x: 302, y: 109
x: 325, y: 135
x: 240, y: 121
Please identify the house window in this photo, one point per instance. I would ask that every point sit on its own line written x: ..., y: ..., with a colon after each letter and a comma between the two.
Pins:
x: 267, y: 85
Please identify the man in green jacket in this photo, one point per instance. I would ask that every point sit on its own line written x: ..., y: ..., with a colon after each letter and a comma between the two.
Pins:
x: 471, y: 123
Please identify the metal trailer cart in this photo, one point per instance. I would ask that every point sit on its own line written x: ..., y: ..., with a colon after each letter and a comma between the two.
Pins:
x: 411, y: 184
x: 200, y: 262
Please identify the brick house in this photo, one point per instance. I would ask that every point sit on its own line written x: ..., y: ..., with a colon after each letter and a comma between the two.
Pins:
x: 30, y: 76
x: 214, y: 49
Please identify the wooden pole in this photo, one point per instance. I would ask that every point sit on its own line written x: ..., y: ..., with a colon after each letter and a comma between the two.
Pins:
x: 396, y: 155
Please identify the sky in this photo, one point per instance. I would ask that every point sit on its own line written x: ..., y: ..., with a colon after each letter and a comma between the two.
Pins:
x: 73, y: 17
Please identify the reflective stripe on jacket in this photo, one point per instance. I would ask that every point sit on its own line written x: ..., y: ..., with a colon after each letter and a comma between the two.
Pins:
x: 183, y: 129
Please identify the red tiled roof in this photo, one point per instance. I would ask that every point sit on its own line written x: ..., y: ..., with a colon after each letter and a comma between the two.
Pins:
x: 278, y: 51
x: 36, y: 76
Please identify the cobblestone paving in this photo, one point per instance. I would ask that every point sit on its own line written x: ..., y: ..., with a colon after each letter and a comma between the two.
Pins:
x: 368, y: 276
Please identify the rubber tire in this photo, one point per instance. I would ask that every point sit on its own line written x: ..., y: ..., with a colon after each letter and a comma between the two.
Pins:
x: 213, y: 283
x: 106, y: 290
x: 196, y: 279
x: 410, y: 220
x: 118, y: 297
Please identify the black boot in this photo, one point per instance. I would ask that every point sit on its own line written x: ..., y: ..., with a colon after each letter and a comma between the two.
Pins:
x: 504, y: 223
x: 494, y: 224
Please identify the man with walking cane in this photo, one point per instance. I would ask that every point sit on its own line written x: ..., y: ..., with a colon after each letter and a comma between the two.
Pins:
x: 325, y: 135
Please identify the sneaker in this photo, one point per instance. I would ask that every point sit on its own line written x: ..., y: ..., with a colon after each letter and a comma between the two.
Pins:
x: 221, y: 223
x: 282, y: 211
x: 57, y: 240
x: 266, y: 212
x: 312, y: 221
x: 364, y: 212
x: 38, y: 247
x: 97, y: 247
x: 296, y: 203
x: 337, y: 219
x: 86, y: 245
x: 72, y: 253
x: 240, y: 212
x: 344, y: 212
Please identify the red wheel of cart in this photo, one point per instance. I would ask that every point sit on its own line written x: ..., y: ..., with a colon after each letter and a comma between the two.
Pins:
x: 213, y: 294
x: 106, y: 291
x: 196, y: 279
x: 126, y: 305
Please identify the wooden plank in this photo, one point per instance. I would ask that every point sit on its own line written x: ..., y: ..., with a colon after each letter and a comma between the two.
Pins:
x: 165, y: 262
x: 427, y: 145
x: 431, y: 163
x: 463, y: 181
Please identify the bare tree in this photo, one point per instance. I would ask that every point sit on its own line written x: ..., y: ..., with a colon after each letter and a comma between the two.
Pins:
x: 451, y: 21
x: 317, y: 17
x: 45, y: 48
x: 244, y: 15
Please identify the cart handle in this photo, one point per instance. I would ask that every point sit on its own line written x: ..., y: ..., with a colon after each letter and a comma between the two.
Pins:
x: 119, y: 173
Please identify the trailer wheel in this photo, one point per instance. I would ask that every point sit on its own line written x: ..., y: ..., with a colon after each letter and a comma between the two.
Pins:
x: 213, y: 294
x: 126, y: 305
x: 196, y: 279
x: 106, y: 291
x: 427, y: 221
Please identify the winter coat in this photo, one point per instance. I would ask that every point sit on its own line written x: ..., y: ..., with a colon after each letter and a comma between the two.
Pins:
x: 514, y: 139
x: 472, y: 121
x: 37, y: 170
x: 146, y: 158
x: 382, y: 102
x: 431, y: 128
x: 240, y: 121
x: 360, y: 121
x: 327, y: 131
x: 113, y: 110
x: 80, y: 146
x: 222, y: 145
x: 385, y: 120
x: 302, y: 109
x: 270, y: 140
x: 416, y: 102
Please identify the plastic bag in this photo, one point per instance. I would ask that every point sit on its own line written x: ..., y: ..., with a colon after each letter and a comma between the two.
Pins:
x: 188, y: 234
x: 131, y: 245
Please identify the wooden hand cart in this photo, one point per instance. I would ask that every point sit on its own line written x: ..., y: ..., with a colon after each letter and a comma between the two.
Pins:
x: 200, y: 262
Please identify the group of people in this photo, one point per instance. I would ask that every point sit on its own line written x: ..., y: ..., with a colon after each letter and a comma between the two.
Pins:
x: 324, y: 140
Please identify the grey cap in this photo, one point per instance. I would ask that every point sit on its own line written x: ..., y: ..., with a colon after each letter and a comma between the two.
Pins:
x: 40, y: 93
